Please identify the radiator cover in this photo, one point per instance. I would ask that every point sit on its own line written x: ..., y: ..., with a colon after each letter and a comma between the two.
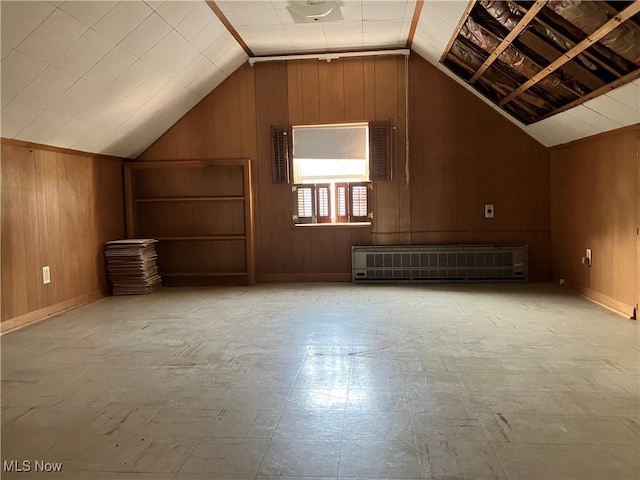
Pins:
x: 439, y: 263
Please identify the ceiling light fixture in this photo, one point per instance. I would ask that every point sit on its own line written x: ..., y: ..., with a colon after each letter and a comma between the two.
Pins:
x: 315, y: 11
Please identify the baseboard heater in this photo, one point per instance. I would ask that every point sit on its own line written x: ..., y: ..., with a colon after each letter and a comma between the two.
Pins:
x: 439, y: 263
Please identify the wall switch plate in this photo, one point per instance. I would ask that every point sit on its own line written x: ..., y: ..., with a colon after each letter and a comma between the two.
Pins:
x: 46, y: 275
x: 489, y: 210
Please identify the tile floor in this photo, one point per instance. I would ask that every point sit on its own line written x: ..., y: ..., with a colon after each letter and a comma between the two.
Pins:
x: 327, y: 381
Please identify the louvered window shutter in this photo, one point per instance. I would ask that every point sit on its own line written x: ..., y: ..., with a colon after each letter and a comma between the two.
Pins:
x: 342, y: 202
x: 359, y: 202
x: 280, y: 148
x: 304, y: 203
x: 380, y: 150
x: 323, y: 202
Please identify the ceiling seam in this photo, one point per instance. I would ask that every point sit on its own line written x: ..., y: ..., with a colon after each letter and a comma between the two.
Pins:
x: 234, y: 33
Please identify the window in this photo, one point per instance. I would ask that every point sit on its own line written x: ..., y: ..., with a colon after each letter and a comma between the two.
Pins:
x: 331, y: 168
x: 328, y: 162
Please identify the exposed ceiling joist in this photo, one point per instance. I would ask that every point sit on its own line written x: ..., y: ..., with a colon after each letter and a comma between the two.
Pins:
x: 513, y: 34
x: 605, y: 29
x: 463, y: 19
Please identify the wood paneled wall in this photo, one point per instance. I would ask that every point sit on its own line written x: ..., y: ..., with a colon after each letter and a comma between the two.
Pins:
x: 463, y: 155
x: 595, y: 198
x: 58, y: 209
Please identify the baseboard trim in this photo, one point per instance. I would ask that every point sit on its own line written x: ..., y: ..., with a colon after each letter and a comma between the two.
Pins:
x: 304, y: 277
x: 36, y: 316
x: 606, y: 301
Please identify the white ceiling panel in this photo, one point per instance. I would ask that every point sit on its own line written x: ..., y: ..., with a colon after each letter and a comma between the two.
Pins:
x: 95, y: 137
x: 45, y: 90
x: 166, y: 48
x: 593, y: 118
x: 192, y: 71
x: 16, y: 116
x: 629, y: 95
x: 19, y: 70
x: 384, y: 10
x: 122, y: 19
x: 84, y: 53
x: 52, y: 37
x: 132, y: 78
x: 41, y: 129
x: 110, y: 67
x: 616, y: 111
x: 70, y: 133
x: 209, y: 34
x: 140, y: 119
x: 77, y: 97
x: 175, y: 11
x: 179, y: 60
x: 147, y: 89
x: 211, y: 76
x: 88, y: 12
x: 118, y: 113
x: 195, y: 21
x: 19, y: 19
x: 146, y: 35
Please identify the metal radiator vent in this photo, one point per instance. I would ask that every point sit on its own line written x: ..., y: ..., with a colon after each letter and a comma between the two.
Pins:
x: 439, y: 263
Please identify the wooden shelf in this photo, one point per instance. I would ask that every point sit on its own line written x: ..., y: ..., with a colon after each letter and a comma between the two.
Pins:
x: 204, y: 238
x: 189, y: 205
x: 192, y: 199
x: 205, y: 274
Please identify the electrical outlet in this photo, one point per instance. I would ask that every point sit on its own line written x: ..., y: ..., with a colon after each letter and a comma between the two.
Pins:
x: 46, y: 275
x: 489, y: 210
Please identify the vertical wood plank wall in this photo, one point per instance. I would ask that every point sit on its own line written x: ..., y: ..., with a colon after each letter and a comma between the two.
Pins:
x: 595, y: 197
x: 57, y: 209
x: 463, y: 155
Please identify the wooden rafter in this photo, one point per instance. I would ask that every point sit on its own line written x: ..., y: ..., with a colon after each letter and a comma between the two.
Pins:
x: 456, y: 32
x: 562, y: 35
x: 414, y: 22
x: 604, y: 30
x: 513, y: 34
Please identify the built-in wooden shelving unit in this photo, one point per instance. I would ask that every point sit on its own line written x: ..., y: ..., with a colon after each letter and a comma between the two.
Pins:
x: 201, y: 213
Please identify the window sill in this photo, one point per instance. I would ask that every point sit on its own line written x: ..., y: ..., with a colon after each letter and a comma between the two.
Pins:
x: 338, y: 225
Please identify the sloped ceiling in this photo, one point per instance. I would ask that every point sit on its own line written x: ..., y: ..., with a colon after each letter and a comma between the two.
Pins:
x: 108, y: 77
x: 111, y: 77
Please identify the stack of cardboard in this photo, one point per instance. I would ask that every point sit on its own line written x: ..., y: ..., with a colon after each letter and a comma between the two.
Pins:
x: 131, y: 266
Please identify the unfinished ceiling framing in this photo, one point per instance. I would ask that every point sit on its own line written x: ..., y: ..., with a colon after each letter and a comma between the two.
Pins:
x: 537, y: 59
